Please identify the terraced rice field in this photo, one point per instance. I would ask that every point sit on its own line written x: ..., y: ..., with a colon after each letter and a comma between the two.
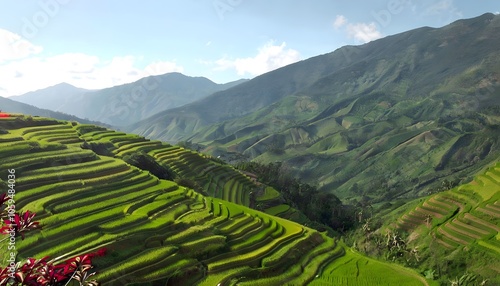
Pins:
x: 220, y: 181
x: 464, y: 216
x: 154, y: 230
x: 354, y: 269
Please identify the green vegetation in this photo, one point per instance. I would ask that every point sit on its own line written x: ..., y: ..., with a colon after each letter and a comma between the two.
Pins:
x: 319, y: 207
x: 354, y: 269
x: 269, y: 194
x: 449, y: 236
x: 155, y: 230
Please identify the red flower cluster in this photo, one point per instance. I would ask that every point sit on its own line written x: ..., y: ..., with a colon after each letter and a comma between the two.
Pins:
x: 20, y: 224
x: 41, y: 272
x: 3, y: 199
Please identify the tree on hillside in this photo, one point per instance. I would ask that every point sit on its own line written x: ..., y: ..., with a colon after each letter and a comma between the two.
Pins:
x: 321, y: 207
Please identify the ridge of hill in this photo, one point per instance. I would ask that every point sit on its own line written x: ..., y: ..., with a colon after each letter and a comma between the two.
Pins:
x: 348, y: 120
x: 128, y: 103
x: 12, y: 106
x: 52, y: 98
x: 86, y: 197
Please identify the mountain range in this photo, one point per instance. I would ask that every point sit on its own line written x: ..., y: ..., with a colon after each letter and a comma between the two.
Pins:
x: 343, y: 121
x: 9, y: 105
x: 128, y: 103
x: 347, y: 120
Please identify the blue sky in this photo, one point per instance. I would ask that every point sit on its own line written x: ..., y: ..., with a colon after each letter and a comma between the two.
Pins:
x: 96, y: 44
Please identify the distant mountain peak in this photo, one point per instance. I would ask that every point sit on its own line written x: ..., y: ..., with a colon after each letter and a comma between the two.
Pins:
x: 111, y: 105
x: 60, y: 87
x: 65, y: 84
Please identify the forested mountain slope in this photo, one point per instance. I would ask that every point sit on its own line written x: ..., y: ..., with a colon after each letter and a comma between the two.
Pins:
x: 394, y: 117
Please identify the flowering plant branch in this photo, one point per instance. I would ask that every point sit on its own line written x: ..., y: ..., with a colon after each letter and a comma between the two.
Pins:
x: 41, y: 272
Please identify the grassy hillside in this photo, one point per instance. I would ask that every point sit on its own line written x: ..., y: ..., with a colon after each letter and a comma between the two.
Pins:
x: 450, y: 235
x: 406, y: 113
x: 156, y: 231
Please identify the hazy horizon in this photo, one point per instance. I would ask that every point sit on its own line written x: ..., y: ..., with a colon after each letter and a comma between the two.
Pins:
x: 100, y: 45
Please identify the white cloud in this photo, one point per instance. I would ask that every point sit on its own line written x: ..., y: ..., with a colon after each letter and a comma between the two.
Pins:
x: 269, y: 57
x: 161, y: 67
x: 363, y: 32
x: 14, y: 47
x: 497, y: 13
x: 439, y: 7
x: 78, y: 69
x: 445, y: 11
x: 340, y: 21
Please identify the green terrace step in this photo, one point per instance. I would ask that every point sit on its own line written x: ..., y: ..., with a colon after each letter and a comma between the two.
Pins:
x: 36, y: 180
x: 142, y: 259
x: 250, y: 227
x: 10, y: 139
x: 479, y: 223
x: 454, y: 235
x: 120, y: 141
x: 181, y: 161
x: 81, y: 200
x: 316, y: 257
x: 15, y: 123
x: 101, y: 134
x: 30, y: 130
x: 435, y: 209
x: 442, y: 204
x: 288, y: 252
x: 470, y: 228
x: 125, y: 178
x: 87, y: 128
x: 29, y: 162
x: 50, y: 133
x: 135, y: 146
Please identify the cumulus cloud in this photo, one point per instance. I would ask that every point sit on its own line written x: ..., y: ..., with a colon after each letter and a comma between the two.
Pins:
x: 25, y: 71
x: 439, y: 7
x: 268, y: 58
x: 362, y: 32
x: 340, y: 21
x: 444, y: 10
x: 14, y: 47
